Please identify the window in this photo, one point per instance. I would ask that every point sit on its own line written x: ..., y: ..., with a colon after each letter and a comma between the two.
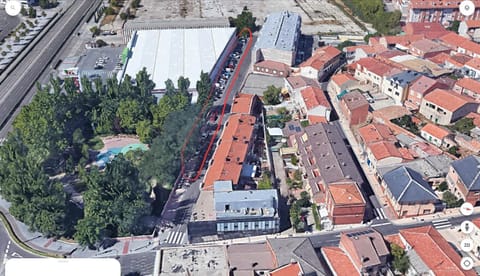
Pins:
x: 426, y: 211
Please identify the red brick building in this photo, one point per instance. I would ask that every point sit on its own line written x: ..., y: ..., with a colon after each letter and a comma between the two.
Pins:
x: 345, y: 203
x: 272, y: 68
x: 354, y: 107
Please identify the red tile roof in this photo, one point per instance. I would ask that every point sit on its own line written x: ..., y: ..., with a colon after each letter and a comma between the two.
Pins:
x: 375, y: 132
x: 316, y: 119
x: 384, y: 149
x: 338, y: 261
x: 313, y: 97
x: 231, y: 152
x: 423, y: 85
x: 375, y: 66
x: 291, y: 269
x: 429, y: 29
x: 404, y: 40
x: 475, y: 117
x: 457, y: 60
x: 437, y: 4
x: 299, y: 81
x: 476, y: 222
x: 472, y: 23
x: 273, y: 65
x: 346, y: 193
x: 455, y: 41
x: 243, y: 103
x: 340, y: 79
x: 321, y: 56
x: 469, y: 84
x: 394, y: 239
x: 447, y: 99
x: 428, y: 46
x: 434, y: 251
x: 435, y: 131
x: 368, y: 49
x: 474, y: 62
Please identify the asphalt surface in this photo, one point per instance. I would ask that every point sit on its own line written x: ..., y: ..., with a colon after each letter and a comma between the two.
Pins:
x: 384, y: 227
x: 19, y: 82
x: 7, y: 23
x: 9, y: 249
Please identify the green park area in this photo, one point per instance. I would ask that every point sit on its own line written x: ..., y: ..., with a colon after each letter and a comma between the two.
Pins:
x: 55, y: 139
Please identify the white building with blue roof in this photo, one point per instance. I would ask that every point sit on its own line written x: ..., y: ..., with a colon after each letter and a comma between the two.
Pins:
x: 409, y: 194
x: 278, y: 38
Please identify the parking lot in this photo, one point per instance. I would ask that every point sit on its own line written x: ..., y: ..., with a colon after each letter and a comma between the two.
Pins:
x: 319, y: 16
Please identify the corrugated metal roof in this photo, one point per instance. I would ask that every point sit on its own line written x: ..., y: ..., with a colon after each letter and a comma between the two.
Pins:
x: 169, y: 54
x: 279, y: 31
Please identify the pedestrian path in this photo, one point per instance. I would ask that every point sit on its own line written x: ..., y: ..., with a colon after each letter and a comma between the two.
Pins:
x: 441, y: 223
x: 175, y: 237
x: 379, y: 213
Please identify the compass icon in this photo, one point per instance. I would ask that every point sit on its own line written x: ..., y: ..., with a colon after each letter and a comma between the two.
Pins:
x: 13, y: 7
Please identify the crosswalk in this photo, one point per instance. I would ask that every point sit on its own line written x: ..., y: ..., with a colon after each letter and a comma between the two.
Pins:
x: 441, y: 223
x: 379, y: 213
x: 175, y: 237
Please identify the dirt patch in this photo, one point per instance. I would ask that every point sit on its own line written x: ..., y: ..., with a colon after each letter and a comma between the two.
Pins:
x: 118, y: 141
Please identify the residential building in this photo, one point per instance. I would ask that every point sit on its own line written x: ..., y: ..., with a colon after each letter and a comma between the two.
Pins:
x: 426, y: 48
x: 444, y: 107
x: 436, y: 135
x: 430, y: 254
x: 431, y: 30
x: 245, y: 211
x: 433, y: 168
x: 373, y: 133
x: 396, y: 86
x: 272, y: 68
x: 456, y: 61
x: 341, y: 82
x: 313, y: 105
x: 354, y: 107
x: 472, y: 67
x: 464, y: 179
x: 295, y: 84
x: 383, y: 153
x: 233, y: 147
x: 418, y: 89
x: 409, y: 194
x: 345, y: 203
x: 360, y: 252
x: 325, y: 159
x: 246, y: 104
x: 469, y: 87
x: 461, y: 44
x: 251, y: 258
x: 292, y: 268
x: 323, y: 62
x: 354, y: 53
x: 470, y: 143
x: 423, y: 66
x: 470, y: 29
x: 439, y: 11
x: 373, y: 71
x: 299, y: 250
x: 278, y: 38
x: 401, y: 42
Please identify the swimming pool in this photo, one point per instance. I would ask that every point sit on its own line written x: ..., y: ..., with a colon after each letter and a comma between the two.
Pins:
x: 105, y: 157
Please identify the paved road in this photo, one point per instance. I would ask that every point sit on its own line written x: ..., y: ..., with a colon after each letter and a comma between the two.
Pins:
x: 19, y: 82
x: 9, y: 249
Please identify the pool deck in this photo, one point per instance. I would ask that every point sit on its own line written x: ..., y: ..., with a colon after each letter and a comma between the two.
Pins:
x: 118, y: 141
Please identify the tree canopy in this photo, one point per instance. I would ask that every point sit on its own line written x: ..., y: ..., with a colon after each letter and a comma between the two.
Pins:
x: 243, y: 20
x: 373, y: 12
x: 271, y: 96
x: 54, y: 136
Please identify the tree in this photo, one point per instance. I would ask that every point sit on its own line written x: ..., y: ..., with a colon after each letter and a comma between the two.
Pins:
x: 443, y: 186
x: 451, y: 200
x: 266, y: 182
x: 304, y: 200
x: 454, y: 26
x: 203, y: 88
x: 346, y: 43
x: 110, y: 11
x: 130, y: 114
x: 145, y: 131
x: 271, y: 96
x: 135, y: 4
x: 243, y: 20
x: 464, y: 125
x: 32, y: 13
x: 123, y: 16
x: 453, y: 150
x: 294, y: 160
x: 95, y: 31
x: 101, y: 43
x: 401, y: 262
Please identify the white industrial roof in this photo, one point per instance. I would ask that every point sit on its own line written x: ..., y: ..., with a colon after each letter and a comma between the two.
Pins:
x: 169, y: 54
